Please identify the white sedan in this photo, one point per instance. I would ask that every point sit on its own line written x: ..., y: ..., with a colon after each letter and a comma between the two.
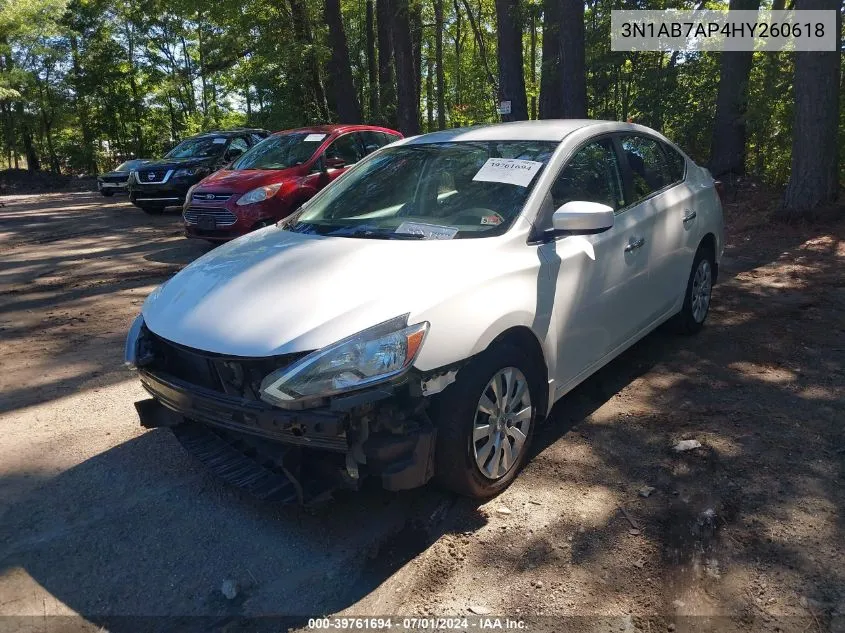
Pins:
x: 419, y: 317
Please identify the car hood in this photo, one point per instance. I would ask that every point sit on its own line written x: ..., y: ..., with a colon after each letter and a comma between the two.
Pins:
x: 275, y: 292
x: 243, y: 180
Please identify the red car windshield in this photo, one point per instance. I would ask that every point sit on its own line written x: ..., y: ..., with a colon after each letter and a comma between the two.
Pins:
x: 281, y: 151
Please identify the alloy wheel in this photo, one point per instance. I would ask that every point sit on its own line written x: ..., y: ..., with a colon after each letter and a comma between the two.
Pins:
x: 502, y: 421
x: 702, y: 285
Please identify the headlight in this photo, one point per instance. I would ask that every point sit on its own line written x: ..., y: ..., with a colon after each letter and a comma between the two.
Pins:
x: 189, y: 171
x: 257, y: 195
x: 371, y: 356
x: 130, y: 350
x: 189, y: 195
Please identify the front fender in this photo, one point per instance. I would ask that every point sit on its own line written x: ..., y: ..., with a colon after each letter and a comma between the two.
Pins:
x: 465, y: 324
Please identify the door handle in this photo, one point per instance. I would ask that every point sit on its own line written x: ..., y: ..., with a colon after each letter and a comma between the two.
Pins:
x: 690, y: 215
x: 634, y: 244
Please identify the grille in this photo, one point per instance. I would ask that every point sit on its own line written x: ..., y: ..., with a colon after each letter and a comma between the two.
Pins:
x: 231, y: 375
x: 210, y: 197
x: 152, y: 176
x: 121, y: 179
x: 224, y: 217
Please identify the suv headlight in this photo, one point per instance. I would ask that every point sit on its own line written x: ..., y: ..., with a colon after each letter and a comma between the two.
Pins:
x: 259, y: 194
x: 189, y: 171
x: 363, y: 359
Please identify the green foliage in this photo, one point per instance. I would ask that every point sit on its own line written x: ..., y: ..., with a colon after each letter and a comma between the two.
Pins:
x: 87, y: 83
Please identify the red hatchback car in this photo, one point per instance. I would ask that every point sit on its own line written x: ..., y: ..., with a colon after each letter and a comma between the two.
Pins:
x: 275, y: 177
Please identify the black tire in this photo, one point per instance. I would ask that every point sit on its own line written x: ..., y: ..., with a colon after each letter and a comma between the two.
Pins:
x: 454, y: 410
x: 690, y: 319
x: 108, y: 193
x: 153, y: 210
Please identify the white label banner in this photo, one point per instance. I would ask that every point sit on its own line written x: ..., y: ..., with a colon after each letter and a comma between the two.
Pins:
x: 709, y: 30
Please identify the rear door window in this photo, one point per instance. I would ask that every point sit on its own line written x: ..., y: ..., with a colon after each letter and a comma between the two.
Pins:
x: 371, y: 141
x: 346, y: 148
x: 651, y: 170
x: 677, y: 163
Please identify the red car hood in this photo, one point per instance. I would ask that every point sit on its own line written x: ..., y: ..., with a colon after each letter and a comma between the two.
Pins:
x: 243, y: 180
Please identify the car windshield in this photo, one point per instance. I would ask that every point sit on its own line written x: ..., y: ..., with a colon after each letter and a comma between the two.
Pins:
x: 430, y: 191
x: 198, y: 147
x: 281, y: 151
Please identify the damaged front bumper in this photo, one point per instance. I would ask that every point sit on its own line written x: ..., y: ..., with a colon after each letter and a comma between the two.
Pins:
x: 296, y: 455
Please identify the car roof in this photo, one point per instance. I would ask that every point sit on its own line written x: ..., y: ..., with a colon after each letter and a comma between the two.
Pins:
x: 232, y: 132
x: 338, y: 128
x: 546, y: 130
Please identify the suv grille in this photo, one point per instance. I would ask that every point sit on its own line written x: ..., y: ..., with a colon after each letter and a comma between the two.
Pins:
x: 224, y: 217
x: 232, y: 375
x: 149, y: 176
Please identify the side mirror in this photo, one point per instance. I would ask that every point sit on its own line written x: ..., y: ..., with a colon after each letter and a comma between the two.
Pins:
x: 334, y: 162
x: 582, y: 217
x: 233, y: 153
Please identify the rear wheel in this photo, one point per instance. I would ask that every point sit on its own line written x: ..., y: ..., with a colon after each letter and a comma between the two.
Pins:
x: 108, y: 193
x: 699, y: 289
x: 485, y: 421
x: 153, y: 210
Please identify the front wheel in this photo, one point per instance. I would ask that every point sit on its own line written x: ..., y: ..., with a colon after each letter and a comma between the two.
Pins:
x: 485, y: 422
x: 699, y: 289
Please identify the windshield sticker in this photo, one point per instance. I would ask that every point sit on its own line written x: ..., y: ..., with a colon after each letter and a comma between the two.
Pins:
x: 492, y: 220
x: 511, y: 171
x: 430, y: 231
x: 312, y: 138
x: 218, y: 141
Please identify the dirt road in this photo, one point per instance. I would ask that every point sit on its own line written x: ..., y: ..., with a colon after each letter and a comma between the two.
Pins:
x: 607, y: 527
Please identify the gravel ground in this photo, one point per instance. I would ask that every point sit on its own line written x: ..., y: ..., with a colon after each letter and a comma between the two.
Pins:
x: 607, y: 527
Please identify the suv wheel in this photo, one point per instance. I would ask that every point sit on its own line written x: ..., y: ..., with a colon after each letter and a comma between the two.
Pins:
x: 485, y: 421
x: 108, y: 193
x: 153, y: 210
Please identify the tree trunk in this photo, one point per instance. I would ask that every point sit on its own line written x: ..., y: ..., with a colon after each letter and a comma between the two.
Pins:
x: 482, y: 47
x: 727, y: 147
x: 438, y: 62
x: 458, y: 49
x: 32, y: 161
x: 429, y: 94
x: 551, y: 80
x: 303, y: 34
x: 813, y: 181
x: 533, y: 60
x: 386, y: 86
x: 773, y: 63
x: 563, y: 75
x: 511, y: 74
x: 372, y: 65
x: 341, y: 87
x: 415, y: 23
x: 408, y: 104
